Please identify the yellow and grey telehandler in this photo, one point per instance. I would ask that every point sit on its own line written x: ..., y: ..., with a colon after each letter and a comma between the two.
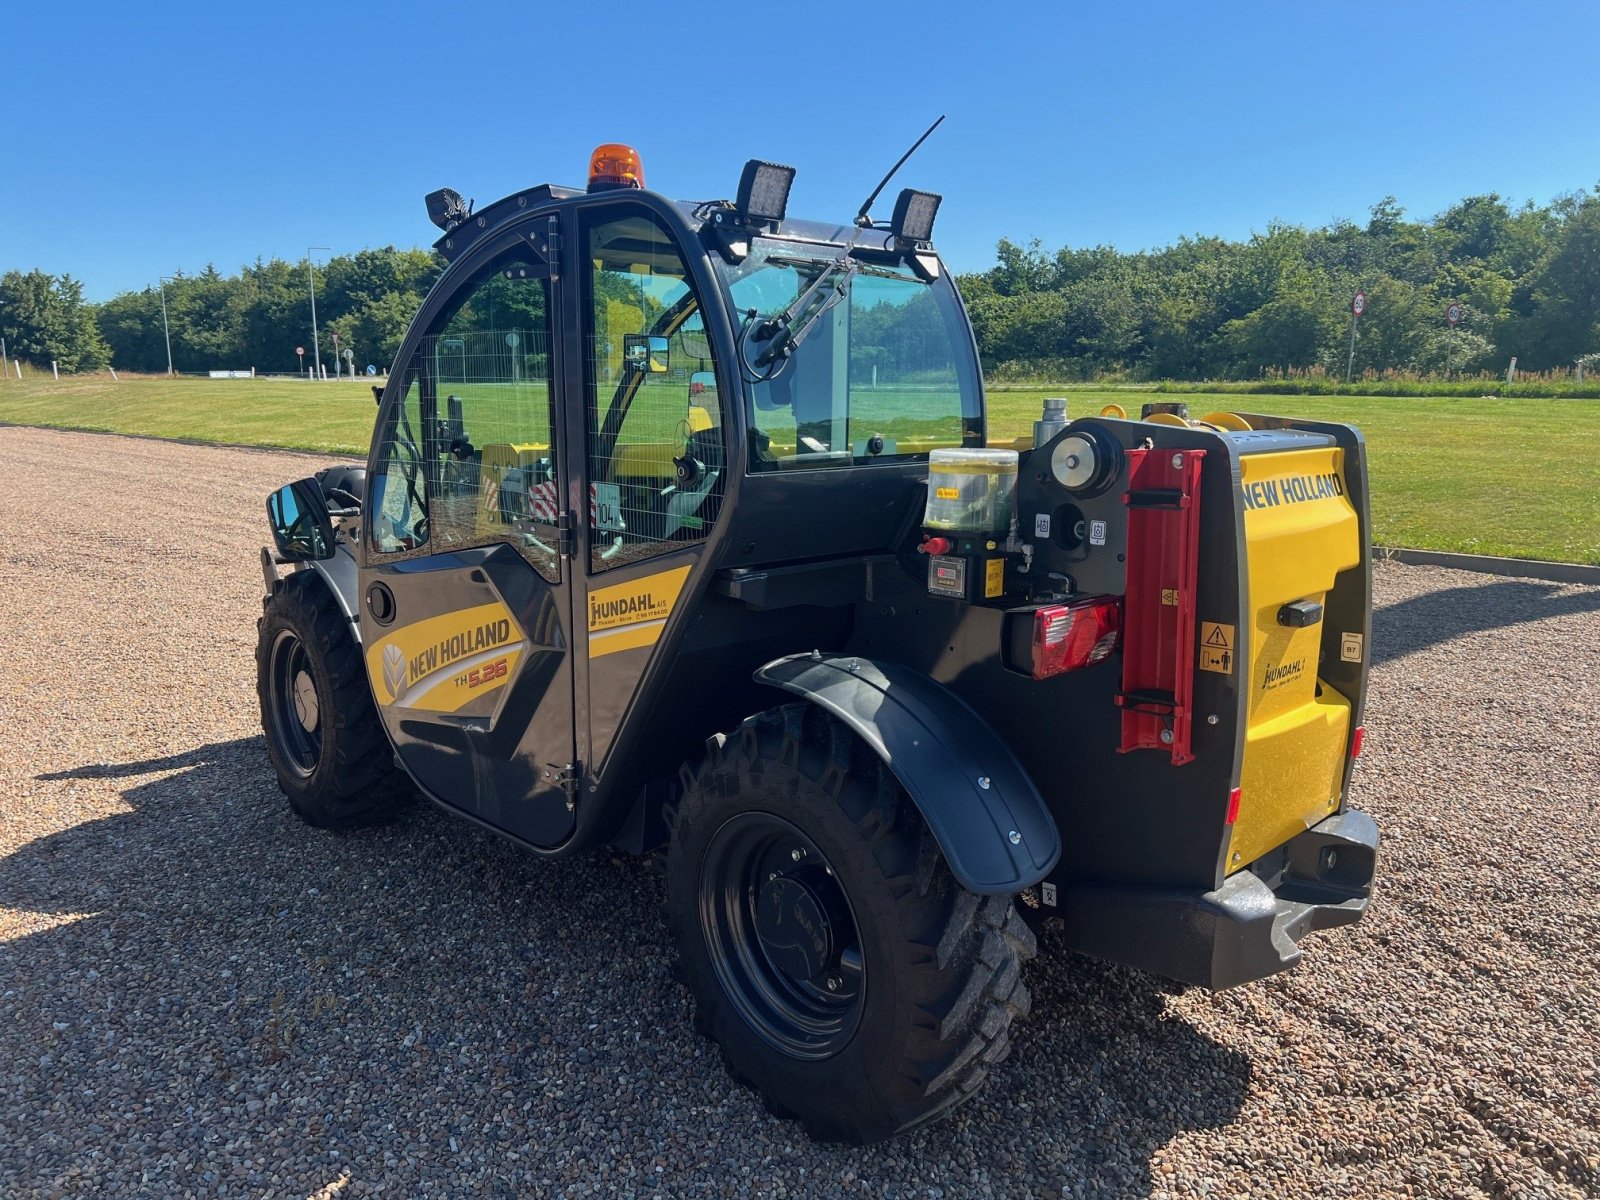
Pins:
x: 684, y: 530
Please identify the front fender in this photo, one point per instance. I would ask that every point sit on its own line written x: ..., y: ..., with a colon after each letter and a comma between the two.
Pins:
x: 339, y: 576
x: 983, y: 810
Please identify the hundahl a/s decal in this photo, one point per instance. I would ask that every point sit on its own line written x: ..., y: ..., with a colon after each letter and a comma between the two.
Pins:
x: 628, y: 615
x: 1283, y: 673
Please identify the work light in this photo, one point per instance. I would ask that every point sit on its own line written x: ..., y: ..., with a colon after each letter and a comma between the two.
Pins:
x: 914, y: 212
x: 764, y: 190
x: 447, y: 209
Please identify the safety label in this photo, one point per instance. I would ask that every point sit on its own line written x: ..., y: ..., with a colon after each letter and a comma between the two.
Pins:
x: 1097, y: 533
x: 994, y: 577
x: 1217, y: 647
x: 1350, y: 647
x: 1041, y: 525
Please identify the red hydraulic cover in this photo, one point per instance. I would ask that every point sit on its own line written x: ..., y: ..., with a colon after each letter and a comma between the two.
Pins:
x: 1158, y: 654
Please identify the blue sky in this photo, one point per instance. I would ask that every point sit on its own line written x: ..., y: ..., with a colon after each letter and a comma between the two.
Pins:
x: 147, y: 139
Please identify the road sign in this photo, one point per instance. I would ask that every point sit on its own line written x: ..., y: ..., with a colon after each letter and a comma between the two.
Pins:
x: 371, y: 370
x: 300, y: 350
x: 1453, y: 314
x: 1358, y: 302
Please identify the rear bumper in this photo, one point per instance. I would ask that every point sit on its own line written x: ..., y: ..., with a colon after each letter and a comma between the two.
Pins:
x: 1248, y: 928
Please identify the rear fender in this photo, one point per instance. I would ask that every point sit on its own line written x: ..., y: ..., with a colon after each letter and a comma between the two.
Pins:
x: 982, y: 809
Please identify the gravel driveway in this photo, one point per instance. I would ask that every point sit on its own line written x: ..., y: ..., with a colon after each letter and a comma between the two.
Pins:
x: 201, y: 996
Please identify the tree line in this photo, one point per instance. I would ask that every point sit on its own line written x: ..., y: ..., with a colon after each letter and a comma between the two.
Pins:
x: 1526, y: 279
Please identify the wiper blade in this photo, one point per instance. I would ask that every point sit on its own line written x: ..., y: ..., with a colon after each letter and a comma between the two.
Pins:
x: 861, y: 268
x: 784, y: 332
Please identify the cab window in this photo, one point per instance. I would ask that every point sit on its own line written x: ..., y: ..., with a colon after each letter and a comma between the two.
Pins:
x: 881, y: 368
x: 468, y: 457
x: 654, y: 418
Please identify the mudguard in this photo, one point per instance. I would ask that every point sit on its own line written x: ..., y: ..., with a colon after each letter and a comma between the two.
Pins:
x: 338, y: 575
x: 983, y: 810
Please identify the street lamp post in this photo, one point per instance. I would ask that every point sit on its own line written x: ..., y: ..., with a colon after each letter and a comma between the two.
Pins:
x: 311, y: 282
x: 166, y: 331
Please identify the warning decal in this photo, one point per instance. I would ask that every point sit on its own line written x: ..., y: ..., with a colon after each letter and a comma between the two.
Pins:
x: 994, y: 577
x: 1350, y: 647
x: 1216, y: 647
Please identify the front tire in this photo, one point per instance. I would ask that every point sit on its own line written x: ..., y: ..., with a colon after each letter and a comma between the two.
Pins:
x: 844, y: 972
x: 327, y: 747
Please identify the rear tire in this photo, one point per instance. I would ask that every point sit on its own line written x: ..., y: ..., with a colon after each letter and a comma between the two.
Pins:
x: 330, y: 753
x: 903, y: 993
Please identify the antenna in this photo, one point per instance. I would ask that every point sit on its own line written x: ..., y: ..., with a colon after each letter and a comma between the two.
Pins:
x: 862, y: 217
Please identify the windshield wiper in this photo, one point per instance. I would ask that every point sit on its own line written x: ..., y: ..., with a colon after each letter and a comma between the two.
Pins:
x: 784, y: 332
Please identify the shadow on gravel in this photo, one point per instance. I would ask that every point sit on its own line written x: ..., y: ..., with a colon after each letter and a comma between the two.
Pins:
x: 1438, y: 617
x: 240, y: 1004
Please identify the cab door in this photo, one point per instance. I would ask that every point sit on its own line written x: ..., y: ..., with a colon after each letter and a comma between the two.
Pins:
x: 466, y: 585
x: 654, y: 462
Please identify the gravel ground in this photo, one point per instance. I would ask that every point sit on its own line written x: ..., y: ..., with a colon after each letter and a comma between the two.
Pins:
x: 201, y: 996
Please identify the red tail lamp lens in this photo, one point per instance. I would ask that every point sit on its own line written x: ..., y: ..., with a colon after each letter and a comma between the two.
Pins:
x: 1069, y: 636
x: 1355, y: 742
x: 1233, y: 806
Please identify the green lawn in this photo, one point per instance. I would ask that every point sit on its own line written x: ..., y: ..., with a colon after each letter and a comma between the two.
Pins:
x: 293, y: 414
x: 1516, y: 477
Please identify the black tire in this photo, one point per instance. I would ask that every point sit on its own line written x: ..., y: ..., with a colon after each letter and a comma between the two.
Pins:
x: 331, y: 756
x: 940, y: 967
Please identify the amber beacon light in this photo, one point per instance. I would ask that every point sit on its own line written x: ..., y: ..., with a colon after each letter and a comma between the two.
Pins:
x: 615, y: 166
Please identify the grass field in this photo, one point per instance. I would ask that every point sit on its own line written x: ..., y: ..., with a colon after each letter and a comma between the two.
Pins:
x: 1517, y: 477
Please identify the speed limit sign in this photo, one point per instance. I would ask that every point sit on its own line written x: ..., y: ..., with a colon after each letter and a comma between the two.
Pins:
x: 1358, y: 303
x: 1453, y: 314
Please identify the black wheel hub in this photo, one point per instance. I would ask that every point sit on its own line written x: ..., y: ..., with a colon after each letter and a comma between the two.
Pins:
x: 294, y: 717
x: 782, y: 935
x: 793, y: 928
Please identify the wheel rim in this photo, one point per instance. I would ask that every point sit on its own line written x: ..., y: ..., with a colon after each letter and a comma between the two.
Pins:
x: 294, y: 711
x: 782, y: 935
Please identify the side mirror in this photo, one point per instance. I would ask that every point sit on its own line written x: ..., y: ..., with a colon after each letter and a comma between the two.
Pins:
x: 646, y: 353
x: 301, y: 527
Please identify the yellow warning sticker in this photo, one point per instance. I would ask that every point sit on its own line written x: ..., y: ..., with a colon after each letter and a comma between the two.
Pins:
x: 1169, y: 597
x: 947, y: 493
x: 994, y: 577
x: 1217, y: 647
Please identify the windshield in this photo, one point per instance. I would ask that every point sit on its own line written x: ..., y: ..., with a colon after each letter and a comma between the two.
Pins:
x: 881, y: 368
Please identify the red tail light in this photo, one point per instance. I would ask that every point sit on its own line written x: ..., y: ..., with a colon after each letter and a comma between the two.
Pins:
x: 1233, y: 806
x: 1069, y: 636
x: 1356, y: 740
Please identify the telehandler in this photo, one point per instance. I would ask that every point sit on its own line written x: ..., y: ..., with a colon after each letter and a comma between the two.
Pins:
x: 683, y: 530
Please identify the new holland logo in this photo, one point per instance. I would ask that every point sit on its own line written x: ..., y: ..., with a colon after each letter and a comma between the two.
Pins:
x: 394, y: 670
x: 441, y: 663
x: 1292, y: 489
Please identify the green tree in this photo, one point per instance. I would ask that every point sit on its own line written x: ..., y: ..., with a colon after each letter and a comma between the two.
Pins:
x: 43, y: 319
